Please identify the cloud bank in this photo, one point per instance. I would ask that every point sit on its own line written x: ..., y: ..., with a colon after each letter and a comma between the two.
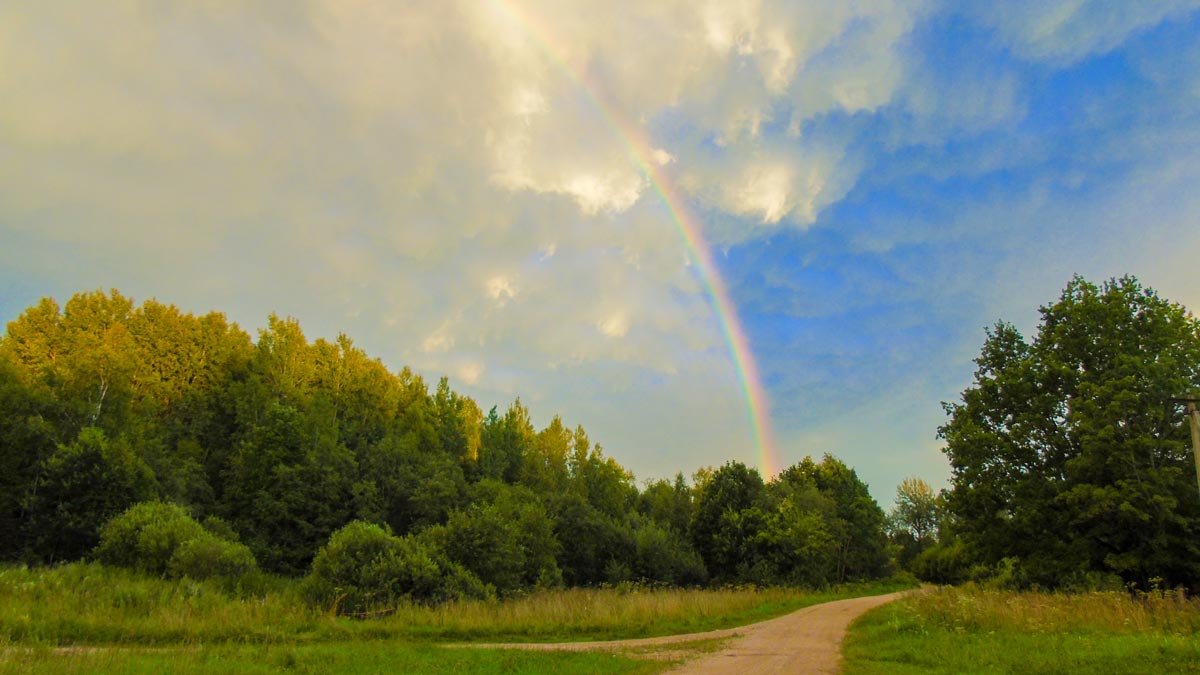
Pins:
x: 452, y: 184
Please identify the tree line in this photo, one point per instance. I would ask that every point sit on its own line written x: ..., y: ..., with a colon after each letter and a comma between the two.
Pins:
x: 279, y: 452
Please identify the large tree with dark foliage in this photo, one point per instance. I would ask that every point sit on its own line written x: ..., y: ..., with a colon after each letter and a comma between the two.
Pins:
x: 1068, y: 459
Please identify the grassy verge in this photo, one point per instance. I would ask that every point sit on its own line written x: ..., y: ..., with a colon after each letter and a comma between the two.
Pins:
x: 967, y: 629
x: 92, y: 604
x: 348, y: 658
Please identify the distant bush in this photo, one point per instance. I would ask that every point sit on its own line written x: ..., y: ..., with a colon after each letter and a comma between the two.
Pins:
x: 943, y: 563
x: 663, y: 556
x: 207, y: 557
x: 145, y: 536
x: 163, y: 539
x: 365, y: 568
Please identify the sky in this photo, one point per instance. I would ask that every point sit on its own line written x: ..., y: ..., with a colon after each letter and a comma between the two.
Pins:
x: 651, y: 218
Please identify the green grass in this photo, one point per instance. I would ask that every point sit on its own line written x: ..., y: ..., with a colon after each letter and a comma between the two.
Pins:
x: 369, y: 657
x: 967, y: 629
x: 87, y: 618
x: 90, y: 604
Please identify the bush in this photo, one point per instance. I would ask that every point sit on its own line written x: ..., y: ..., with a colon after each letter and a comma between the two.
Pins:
x: 220, y: 528
x: 206, y: 557
x: 364, y: 568
x: 145, y: 536
x: 163, y: 539
x: 943, y: 563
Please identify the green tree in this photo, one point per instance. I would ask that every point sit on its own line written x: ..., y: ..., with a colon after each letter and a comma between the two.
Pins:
x: 727, y: 519
x: 857, y: 522
x: 27, y: 438
x: 78, y: 488
x: 505, y: 537
x: 798, y: 542
x: 505, y: 443
x: 668, y: 504
x: 917, y: 509
x: 412, y: 487
x: 289, y: 485
x: 1065, y: 455
x: 914, y: 521
x: 163, y: 539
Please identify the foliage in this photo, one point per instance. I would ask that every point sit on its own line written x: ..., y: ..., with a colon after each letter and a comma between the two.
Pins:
x: 79, y: 487
x: 914, y: 521
x: 852, y: 519
x: 505, y: 537
x: 662, y: 555
x: 726, y: 518
x: 207, y: 557
x: 1066, y: 456
x: 162, y: 539
x: 364, y: 568
x: 279, y: 441
x: 946, y: 562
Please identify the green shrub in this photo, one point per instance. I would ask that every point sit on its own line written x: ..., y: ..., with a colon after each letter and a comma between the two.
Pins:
x: 207, y: 556
x: 219, y: 527
x: 364, y: 569
x: 145, y: 536
x: 163, y: 539
x: 943, y: 563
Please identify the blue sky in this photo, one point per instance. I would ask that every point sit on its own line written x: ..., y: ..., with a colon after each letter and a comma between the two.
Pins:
x: 878, y: 182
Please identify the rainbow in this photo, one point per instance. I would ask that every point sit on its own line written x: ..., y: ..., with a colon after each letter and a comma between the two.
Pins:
x: 642, y: 153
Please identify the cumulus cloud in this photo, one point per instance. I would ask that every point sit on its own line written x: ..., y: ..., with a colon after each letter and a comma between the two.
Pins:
x: 463, y: 186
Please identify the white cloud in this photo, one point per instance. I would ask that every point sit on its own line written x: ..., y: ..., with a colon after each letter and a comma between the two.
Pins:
x: 614, y: 325
x: 596, y: 194
x: 454, y: 180
x: 763, y: 192
x: 501, y: 289
x: 469, y: 371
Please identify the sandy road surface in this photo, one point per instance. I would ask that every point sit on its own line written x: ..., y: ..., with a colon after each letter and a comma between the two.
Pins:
x: 805, y: 641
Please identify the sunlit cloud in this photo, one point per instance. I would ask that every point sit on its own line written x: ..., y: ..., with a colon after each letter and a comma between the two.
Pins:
x: 453, y: 185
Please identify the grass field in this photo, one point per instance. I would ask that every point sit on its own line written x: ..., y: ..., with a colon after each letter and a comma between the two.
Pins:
x: 350, y: 658
x: 85, y: 617
x: 89, y: 604
x: 961, y: 630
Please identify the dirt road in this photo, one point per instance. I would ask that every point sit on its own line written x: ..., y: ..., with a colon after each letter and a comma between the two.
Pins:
x: 805, y: 641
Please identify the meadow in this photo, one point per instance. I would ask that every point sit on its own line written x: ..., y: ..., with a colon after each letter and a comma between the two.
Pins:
x: 977, y: 630
x: 351, y: 658
x: 87, y: 617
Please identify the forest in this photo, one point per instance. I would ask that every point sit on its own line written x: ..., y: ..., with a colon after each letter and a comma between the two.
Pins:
x: 149, y: 438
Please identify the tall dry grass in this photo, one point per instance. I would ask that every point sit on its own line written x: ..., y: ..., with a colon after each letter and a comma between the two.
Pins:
x: 89, y: 603
x: 601, y: 613
x: 976, y: 609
